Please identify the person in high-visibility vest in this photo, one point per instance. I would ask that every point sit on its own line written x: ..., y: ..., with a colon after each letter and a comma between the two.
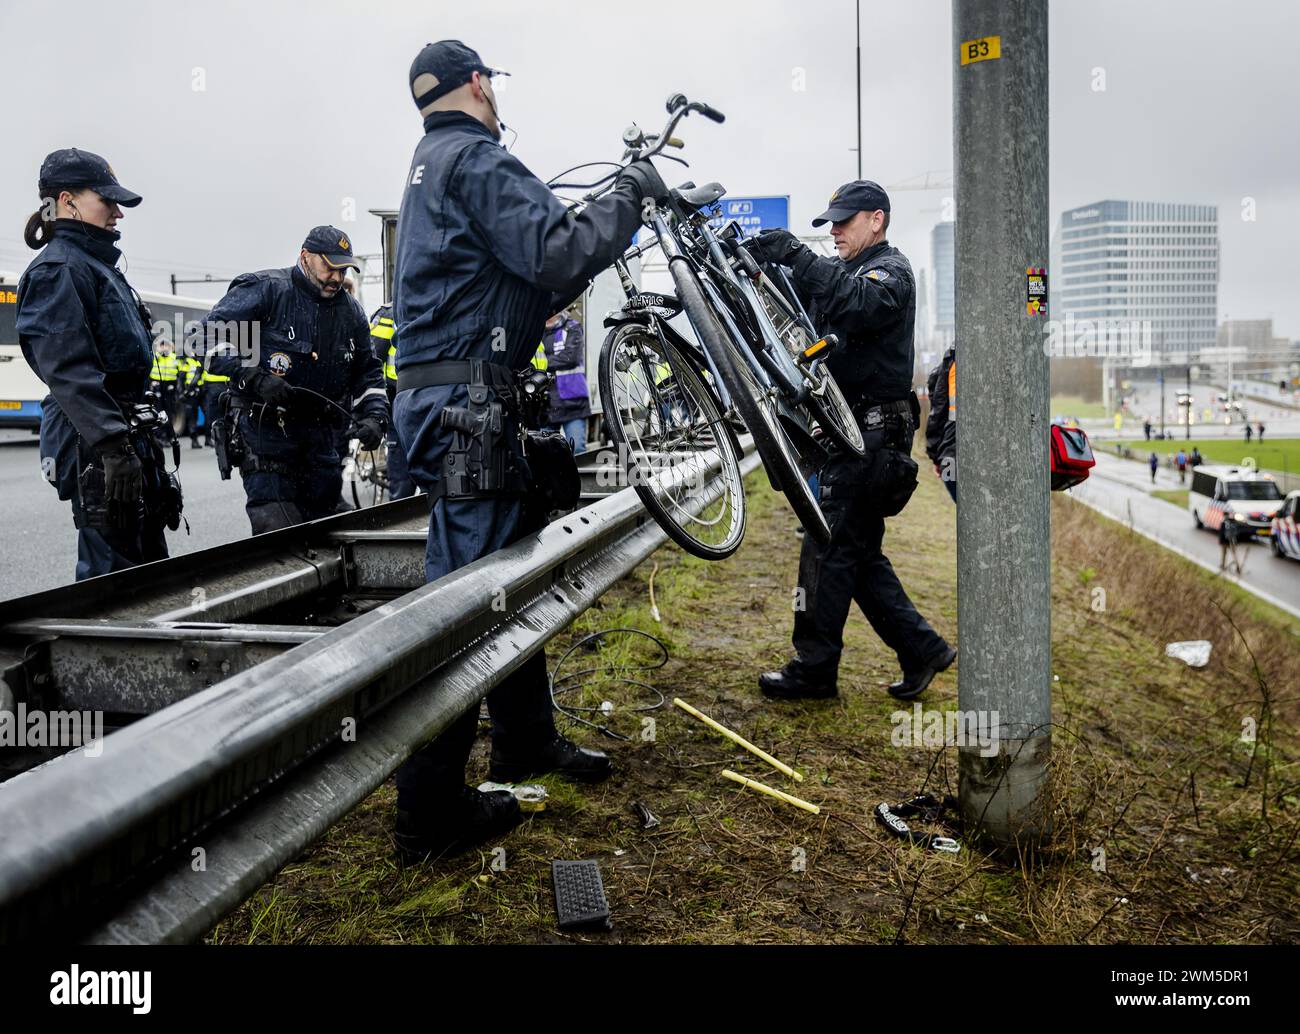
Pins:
x: 564, y: 351
x: 190, y: 378
x: 211, y: 386
x: 383, y: 340
x: 163, y: 381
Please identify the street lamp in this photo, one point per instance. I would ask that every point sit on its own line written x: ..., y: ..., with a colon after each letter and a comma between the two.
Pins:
x: 858, y: 30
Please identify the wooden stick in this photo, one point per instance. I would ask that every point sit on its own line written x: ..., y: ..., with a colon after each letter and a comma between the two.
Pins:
x: 739, y: 740
x: 770, y: 791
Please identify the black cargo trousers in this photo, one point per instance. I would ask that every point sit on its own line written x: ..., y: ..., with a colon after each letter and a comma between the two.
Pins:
x: 853, y: 567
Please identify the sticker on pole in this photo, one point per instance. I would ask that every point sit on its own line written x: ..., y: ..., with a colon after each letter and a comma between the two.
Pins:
x: 986, y: 49
x: 1036, y: 291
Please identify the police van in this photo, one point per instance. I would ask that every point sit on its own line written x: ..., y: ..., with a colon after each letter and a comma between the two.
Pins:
x: 21, y: 391
x: 1286, y: 527
x: 1231, y: 500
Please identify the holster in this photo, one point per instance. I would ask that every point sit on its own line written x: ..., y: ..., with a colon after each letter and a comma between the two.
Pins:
x: 226, y: 439
x: 93, y: 510
x: 479, y: 462
x: 887, y: 476
x: 161, y: 488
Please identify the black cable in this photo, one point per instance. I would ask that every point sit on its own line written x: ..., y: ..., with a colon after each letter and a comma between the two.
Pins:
x: 261, y: 413
x: 555, y: 681
x: 582, y: 186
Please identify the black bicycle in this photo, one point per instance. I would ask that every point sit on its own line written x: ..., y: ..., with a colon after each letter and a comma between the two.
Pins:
x: 675, y: 406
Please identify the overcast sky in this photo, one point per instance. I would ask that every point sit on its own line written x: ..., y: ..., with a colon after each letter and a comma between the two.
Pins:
x: 305, y: 106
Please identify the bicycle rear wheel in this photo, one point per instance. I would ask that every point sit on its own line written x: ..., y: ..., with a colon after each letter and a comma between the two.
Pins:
x: 756, y: 408
x: 672, y: 436
x: 825, y: 400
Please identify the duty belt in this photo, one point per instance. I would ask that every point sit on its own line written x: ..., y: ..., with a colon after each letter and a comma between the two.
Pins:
x: 457, y: 371
x: 903, y: 406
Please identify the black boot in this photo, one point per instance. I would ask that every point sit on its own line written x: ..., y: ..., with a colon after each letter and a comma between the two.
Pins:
x: 913, y: 684
x: 470, y: 819
x: 557, y: 755
x: 794, y: 683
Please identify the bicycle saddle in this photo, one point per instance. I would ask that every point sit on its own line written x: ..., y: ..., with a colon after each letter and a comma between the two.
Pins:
x: 698, y: 197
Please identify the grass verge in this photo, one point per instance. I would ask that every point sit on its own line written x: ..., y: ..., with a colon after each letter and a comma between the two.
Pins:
x: 1175, y: 792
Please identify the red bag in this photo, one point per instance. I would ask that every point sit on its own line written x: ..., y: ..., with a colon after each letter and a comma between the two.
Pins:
x: 1072, y: 457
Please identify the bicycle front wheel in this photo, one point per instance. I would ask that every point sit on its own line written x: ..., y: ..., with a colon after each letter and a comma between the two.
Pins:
x: 674, y: 444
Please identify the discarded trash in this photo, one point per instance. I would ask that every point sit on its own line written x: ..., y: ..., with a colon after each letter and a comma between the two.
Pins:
x: 1196, y: 652
x: 580, y: 895
x: 929, y: 808
x: 771, y: 791
x: 654, y: 607
x: 763, y: 755
x: 531, y: 796
x: 648, y: 818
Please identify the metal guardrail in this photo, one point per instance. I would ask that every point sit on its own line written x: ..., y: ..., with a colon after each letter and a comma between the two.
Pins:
x: 189, y: 809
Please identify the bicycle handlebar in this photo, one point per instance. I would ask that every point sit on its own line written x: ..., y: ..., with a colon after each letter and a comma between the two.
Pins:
x: 678, y: 108
x: 640, y: 145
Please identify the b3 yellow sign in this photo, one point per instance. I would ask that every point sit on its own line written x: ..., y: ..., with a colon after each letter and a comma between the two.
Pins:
x: 985, y: 49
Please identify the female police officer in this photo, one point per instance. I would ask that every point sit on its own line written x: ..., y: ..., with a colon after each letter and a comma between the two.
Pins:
x: 84, y: 332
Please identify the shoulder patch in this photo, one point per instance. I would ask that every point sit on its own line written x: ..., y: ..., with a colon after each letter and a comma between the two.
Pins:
x: 877, y: 274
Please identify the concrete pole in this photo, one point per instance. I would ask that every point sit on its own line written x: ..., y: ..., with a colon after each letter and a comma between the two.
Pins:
x: 1003, y: 530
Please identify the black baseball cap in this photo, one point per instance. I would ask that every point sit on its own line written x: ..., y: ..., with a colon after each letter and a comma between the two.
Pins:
x: 333, y: 245
x: 443, y: 66
x: 858, y: 196
x: 71, y: 167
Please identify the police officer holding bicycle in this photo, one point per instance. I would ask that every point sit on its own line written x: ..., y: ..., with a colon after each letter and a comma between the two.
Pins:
x: 866, y: 297
x: 485, y: 252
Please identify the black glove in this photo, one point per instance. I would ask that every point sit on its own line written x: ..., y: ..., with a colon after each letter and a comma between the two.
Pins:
x: 273, y: 390
x: 645, y: 177
x: 369, y: 431
x: 122, y: 477
x: 778, y: 246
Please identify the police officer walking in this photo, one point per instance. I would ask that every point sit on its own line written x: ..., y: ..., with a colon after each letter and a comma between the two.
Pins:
x: 312, y: 371
x: 485, y: 252
x: 86, y: 334
x: 383, y: 339
x: 867, y: 298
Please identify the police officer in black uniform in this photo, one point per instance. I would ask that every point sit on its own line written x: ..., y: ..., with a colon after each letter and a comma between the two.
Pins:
x: 485, y: 252
x: 86, y: 334
x: 866, y: 297
x: 312, y: 375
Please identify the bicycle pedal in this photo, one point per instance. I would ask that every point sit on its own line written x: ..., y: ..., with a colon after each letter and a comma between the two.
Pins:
x: 580, y: 895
